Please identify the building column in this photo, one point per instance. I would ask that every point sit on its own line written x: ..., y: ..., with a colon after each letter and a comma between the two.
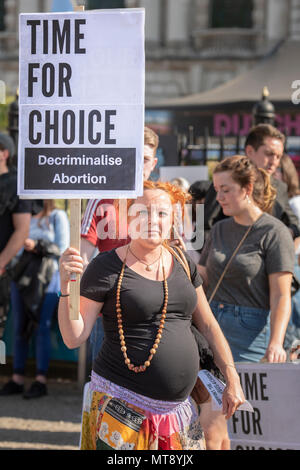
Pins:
x: 200, y: 14
x: 259, y: 21
x: 177, y: 22
x: 294, y: 20
x: 276, y: 19
x: 11, y: 26
x: 132, y: 4
x: 152, y: 20
x: 11, y: 16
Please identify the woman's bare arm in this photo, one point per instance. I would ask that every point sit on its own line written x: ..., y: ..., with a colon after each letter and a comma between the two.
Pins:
x: 280, y: 304
x: 74, y: 332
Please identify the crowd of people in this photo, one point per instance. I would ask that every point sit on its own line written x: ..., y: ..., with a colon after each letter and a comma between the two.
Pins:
x: 153, y: 312
x: 33, y: 235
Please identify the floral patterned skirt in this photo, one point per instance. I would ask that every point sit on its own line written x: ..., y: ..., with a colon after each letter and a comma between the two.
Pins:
x: 114, y: 418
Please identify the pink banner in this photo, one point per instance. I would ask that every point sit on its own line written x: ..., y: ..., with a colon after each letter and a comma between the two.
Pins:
x: 234, y: 124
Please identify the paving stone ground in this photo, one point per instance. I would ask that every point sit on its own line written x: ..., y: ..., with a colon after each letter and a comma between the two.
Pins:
x: 50, y: 422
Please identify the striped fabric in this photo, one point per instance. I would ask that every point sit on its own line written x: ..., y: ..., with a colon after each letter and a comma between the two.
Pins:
x: 88, y: 215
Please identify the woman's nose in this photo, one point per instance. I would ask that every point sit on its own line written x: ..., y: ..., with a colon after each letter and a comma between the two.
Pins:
x: 154, y: 219
x: 218, y: 196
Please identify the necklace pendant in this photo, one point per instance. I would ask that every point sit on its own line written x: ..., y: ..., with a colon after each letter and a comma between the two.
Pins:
x: 148, y: 268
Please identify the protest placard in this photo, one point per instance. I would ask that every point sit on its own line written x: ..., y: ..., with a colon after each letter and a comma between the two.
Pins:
x: 216, y: 389
x: 273, y: 390
x: 81, y: 104
x: 81, y: 109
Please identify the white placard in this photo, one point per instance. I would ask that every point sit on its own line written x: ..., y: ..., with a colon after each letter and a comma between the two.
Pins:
x: 191, y: 173
x: 273, y: 390
x: 216, y: 389
x: 81, y: 104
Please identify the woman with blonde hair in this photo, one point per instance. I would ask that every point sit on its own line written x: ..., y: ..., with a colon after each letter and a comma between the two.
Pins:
x: 139, y: 394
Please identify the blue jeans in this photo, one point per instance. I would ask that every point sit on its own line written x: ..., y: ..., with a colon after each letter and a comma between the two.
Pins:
x: 42, y: 334
x: 96, y: 337
x: 246, y: 329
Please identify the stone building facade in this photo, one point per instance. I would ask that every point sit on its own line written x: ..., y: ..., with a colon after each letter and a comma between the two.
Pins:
x: 191, y: 45
x: 189, y: 53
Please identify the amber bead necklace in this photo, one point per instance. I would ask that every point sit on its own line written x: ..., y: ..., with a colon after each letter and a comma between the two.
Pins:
x: 153, y: 350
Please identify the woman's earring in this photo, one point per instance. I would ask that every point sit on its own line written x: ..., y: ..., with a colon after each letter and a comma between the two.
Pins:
x: 248, y: 199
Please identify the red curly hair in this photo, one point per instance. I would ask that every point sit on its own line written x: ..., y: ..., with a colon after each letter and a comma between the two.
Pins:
x: 177, y: 195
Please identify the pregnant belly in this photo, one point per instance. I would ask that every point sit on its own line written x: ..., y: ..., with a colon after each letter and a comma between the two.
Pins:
x: 173, y: 370
x: 175, y: 366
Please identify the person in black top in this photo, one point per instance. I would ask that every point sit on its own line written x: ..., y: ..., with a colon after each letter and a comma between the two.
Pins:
x: 149, y: 362
x: 264, y: 146
x: 15, y: 214
x: 15, y: 217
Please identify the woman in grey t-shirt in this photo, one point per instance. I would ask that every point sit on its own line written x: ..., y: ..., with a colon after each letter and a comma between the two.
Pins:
x: 252, y: 303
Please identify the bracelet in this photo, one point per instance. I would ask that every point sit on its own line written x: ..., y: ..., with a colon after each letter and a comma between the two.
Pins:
x: 230, y: 365
x: 62, y: 295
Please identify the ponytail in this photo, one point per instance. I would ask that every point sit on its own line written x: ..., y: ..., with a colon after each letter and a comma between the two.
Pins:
x: 264, y: 194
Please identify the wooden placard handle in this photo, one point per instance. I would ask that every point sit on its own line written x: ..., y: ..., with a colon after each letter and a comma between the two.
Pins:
x: 75, y: 223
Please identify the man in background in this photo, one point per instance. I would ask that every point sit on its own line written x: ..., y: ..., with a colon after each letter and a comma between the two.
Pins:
x: 264, y: 146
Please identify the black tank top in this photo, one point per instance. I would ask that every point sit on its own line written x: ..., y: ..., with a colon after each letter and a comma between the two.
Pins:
x: 174, y: 368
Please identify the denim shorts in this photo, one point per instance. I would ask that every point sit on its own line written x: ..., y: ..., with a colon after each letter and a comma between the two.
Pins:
x: 246, y: 329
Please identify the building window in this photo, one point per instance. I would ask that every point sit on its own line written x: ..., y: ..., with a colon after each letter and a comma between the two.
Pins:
x: 231, y: 13
x: 105, y: 4
x: 2, y: 15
